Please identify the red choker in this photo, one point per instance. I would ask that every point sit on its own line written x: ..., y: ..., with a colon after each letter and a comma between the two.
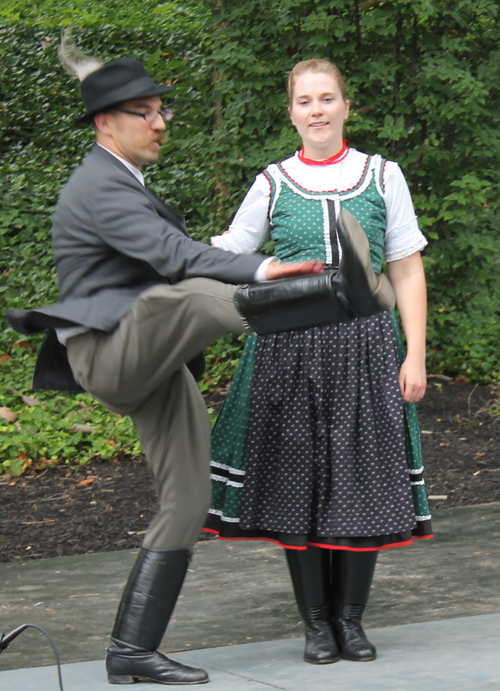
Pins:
x: 326, y: 161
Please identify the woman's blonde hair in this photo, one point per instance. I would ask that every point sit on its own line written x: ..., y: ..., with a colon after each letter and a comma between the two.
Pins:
x: 316, y: 66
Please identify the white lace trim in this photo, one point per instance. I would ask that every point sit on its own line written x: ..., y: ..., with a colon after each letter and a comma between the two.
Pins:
x: 215, y: 464
x: 377, y: 166
x: 405, y: 251
x: 274, y: 172
x: 226, y: 519
x: 226, y: 481
x: 237, y: 242
x: 326, y: 232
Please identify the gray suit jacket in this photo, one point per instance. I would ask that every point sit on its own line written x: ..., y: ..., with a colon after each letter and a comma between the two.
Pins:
x: 113, y: 239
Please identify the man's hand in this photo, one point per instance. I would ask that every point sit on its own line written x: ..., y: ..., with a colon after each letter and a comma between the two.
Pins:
x: 286, y: 269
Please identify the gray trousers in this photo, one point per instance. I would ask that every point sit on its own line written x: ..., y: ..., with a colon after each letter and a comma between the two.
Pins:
x: 139, y: 370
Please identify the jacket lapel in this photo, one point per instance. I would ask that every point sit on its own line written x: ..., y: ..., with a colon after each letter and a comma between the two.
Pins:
x: 166, y: 212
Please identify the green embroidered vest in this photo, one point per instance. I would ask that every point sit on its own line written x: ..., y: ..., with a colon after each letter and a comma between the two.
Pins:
x: 299, y: 218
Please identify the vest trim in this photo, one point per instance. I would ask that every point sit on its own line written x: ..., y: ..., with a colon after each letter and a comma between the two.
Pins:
x: 306, y: 193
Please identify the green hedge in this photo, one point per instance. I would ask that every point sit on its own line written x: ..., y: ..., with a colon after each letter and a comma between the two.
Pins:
x: 423, y: 79
x: 424, y: 82
x: 40, y: 146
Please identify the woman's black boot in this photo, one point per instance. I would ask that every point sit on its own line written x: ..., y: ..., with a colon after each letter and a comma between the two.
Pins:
x: 352, y: 574
x: 350, y: 635
x: 143, y: 615
x: 310, y: 574
x: 320, y: 648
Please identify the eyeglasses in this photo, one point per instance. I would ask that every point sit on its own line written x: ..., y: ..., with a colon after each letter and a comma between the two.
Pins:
x: 150, y: 116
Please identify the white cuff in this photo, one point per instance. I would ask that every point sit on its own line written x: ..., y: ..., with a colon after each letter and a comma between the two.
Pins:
x: 261, y: 273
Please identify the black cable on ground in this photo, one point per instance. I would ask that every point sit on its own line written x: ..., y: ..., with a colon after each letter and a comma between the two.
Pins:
x: 5, y: 641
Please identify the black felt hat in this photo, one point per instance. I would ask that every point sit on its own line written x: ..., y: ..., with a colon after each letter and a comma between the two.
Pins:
x: 124, y: 79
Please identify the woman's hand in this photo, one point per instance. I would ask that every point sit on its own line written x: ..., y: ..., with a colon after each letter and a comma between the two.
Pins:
x: 413, y: 379
x: 277, y: 269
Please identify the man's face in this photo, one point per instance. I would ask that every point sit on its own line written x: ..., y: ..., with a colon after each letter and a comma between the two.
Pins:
x: 131, y: 136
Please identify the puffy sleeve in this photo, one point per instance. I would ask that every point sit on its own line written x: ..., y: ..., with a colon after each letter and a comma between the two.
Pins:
x: 250, y: 227
x: 403, y: 236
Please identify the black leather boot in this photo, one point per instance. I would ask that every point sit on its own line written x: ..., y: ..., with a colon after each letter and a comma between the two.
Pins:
x: 143, y: 615
x: 367, y: 293
x: 352, y: 574
x: 350, y: 635
x: 310, y: 574
x: 293, y: 303
x: 320, y: 648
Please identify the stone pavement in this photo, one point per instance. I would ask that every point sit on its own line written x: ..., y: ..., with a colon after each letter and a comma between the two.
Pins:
x: 448, y: 655
x: 435, y: 611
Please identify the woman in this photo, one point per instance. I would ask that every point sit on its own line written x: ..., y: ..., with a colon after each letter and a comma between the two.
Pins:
x: 317, y: 446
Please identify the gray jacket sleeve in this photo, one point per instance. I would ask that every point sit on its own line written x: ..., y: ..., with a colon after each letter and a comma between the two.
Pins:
x: 107, y: 229
x: 131, y: 225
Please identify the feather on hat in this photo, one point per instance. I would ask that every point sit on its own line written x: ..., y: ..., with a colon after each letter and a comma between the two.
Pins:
x: 106, y: 85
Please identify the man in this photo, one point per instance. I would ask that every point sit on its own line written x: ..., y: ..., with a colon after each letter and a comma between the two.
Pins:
x: 138, y: 301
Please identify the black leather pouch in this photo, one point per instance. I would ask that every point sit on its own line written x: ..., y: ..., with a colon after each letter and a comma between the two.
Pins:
x: 197, y: 366
x: 52, y: 369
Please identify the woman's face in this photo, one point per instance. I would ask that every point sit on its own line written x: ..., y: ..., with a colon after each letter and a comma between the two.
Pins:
x: 318, y: 111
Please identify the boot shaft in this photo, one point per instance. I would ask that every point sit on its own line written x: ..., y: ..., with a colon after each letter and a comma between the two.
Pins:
x: 149, y: 597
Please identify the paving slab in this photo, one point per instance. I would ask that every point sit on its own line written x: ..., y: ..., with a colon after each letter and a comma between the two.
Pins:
x: 239, y: 592
x: 450, y: 655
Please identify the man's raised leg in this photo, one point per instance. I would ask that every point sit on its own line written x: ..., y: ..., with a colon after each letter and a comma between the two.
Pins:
x: 166, y: 326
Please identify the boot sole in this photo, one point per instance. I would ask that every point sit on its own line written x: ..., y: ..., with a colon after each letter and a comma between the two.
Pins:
x: 328, y: 661
x: 126, y: 679
x: 378, y: 292
x: 359, y: 659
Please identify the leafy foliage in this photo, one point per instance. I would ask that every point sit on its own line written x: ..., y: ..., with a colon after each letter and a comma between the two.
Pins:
x: 40, y: 147
x: 51, y: 428
x: 423, y: 79
x: 423, y: 82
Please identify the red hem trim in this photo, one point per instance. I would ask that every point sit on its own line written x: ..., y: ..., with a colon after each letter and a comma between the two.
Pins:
x: 326, y: 161
x: 361, y: 549
x: 265, y: 539
x: 406, y: 543
x: 350, y: 189
x: 383, y: 176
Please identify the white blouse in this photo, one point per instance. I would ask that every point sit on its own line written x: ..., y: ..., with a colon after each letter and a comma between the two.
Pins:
x: 250, y: 227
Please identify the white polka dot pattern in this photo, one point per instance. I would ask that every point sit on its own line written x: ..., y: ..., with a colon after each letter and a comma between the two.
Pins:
x: 326, y: 451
